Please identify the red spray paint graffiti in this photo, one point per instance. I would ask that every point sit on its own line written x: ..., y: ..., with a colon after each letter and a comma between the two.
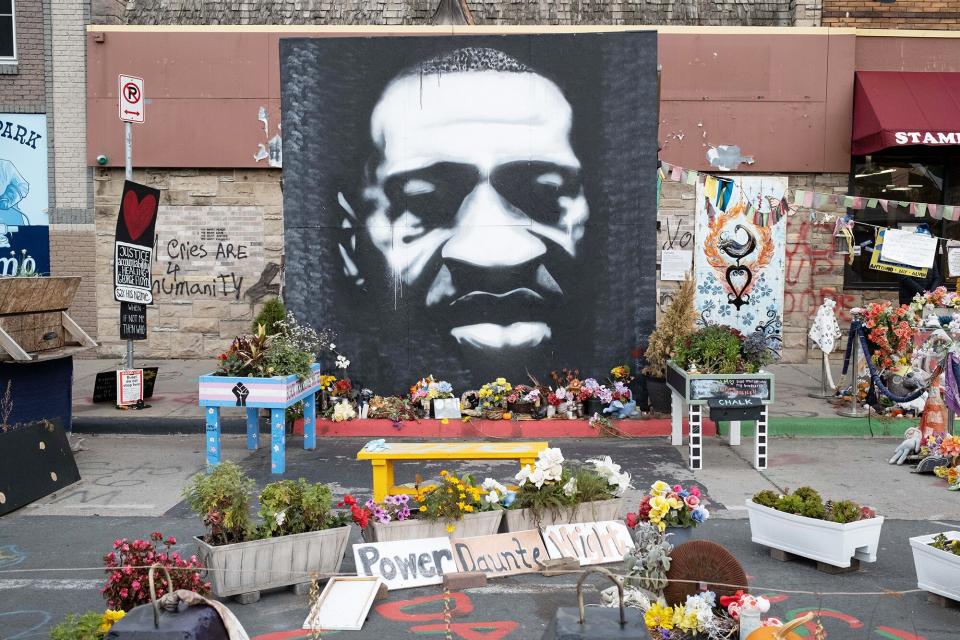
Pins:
x: 805, y: 262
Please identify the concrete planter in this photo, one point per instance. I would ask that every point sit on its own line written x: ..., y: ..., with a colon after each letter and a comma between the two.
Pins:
x: 471, y: 525
x: 525, y: 520
x: 828, y: 542
x: 937, y: 571
x: 256, y: 565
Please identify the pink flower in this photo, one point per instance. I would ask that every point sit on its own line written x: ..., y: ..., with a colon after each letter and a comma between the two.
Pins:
x: 124, y: 592
x: 171, y: 541
x: 692, y: 501
x: 117, y: 543
x: 127, y: 570
x: 135, y: 585
x: 694, y: 491
x: 677, y: 488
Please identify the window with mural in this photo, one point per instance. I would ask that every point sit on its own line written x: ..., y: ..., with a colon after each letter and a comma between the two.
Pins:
x: 912, y: 174
x: 8, y: 39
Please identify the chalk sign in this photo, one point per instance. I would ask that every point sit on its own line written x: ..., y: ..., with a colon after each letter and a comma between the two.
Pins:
x: 503, y: 554
x: 589, y: 542
x: 133, y: 321
x: 405, y: 563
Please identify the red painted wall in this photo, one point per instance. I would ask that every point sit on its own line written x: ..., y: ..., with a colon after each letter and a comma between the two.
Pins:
x: 784, y: 97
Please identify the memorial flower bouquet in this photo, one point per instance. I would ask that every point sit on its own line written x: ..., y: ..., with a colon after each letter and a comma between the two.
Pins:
x: 665, y: 506
x: 721, y: 349
x: 453, y: 498
x: 548, y: 486
x: 496, y: 496
x: 393, y: 508
x: 890, y: 330
x: 427, y: 389
x: 493, y: 397
x: 621, y: 373
x: 696, y: 618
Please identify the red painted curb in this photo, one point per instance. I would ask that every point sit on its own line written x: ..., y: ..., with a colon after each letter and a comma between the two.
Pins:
x: 479, y: 428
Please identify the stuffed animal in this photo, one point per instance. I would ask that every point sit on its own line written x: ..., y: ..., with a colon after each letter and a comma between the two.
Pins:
x: 910, y: 444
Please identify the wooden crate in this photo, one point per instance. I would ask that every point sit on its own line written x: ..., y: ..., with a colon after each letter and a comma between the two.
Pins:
x: 33, y: 318
x: 35, y: 331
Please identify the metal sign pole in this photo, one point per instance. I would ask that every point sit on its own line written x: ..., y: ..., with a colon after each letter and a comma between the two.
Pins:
x: 128, y: 161
x: 854, y: 411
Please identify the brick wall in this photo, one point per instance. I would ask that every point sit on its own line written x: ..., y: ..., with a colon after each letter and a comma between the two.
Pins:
x: 540, y: 12
x: 813, y: 271
x: 902, y: 14
x: 22, y: 84
x: 218, y: 255
x: 72, y: 234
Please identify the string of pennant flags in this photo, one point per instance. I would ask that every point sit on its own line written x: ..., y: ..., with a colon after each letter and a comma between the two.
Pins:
x: 804, y: 198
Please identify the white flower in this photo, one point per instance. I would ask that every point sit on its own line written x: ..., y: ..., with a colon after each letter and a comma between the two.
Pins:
x: 523, y: 475
x: 343, y: 411
x: 332, y: 346
x: 492, y: 498
x: 621, y: 481
x: 570, y: 488
x: 342, y: 363
x: 279, y: 517
x: 549, y: 457
x: 537, y: 477
x: 492, y: 485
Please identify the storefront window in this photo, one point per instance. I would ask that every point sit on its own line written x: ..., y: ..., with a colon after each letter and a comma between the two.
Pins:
x: 913, y: 174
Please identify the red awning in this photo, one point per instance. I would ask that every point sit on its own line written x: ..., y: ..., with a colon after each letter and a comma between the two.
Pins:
x: 899, y: 108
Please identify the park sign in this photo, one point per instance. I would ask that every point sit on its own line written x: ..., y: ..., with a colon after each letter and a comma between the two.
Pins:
x: 133, y: 250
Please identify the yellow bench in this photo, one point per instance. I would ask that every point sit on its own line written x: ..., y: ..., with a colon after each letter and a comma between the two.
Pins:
x: 382, y: 461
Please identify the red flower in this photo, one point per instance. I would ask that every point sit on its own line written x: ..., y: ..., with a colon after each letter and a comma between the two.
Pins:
x: 632, y: 520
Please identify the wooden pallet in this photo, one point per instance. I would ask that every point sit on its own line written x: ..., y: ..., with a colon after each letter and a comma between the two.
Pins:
x: 300, y: 589
x: 785, y: 556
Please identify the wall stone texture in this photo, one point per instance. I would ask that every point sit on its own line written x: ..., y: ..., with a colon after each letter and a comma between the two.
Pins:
x: 496, y: 12
x: 218, y: 256
x: 22, y: 84
x: 902, y: 14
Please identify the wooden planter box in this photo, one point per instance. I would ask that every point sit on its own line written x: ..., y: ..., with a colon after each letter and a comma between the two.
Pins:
x: 828, y: 542
x: 38, y: 461
x: 33, y: 319
x: 525, y: 520
x: 250, y: 567
x: 730, y: 397
x: 937, y: 571
x: 471, y: 525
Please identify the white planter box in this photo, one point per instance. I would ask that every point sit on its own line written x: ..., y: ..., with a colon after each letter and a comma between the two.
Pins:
x: 828, y: 542
x: 524, y: 520
x: 937, y: 571
x: 471, y: 525
x: 275, y: 562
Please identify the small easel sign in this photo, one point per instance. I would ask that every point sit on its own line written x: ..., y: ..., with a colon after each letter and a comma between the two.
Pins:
x: 129, y: 387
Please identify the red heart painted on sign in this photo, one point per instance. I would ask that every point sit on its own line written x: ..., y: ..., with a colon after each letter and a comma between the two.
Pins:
x: 137, y: 213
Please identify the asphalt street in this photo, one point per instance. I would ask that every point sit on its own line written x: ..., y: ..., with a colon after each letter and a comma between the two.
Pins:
x: 47, y: 550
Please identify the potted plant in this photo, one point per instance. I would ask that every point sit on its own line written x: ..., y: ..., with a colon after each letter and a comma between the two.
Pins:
x: 127, y: 571
x: 937, y: 560
x: 92, y: 625
x: 564, y: 399
x: 523, y: 399
x: 800, y: 523
x: 673, y: 510
x: 493, y: 398
x: 549, y: 494
x: 298, y: 535
x: 454, y: 507
x: 594, y: 396
x: 676, y: 322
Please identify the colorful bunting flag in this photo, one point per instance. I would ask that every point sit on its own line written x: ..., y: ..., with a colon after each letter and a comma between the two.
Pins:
x: 798, y: 197
x: 884, y: 204
x: 676, y: 173
x: 949, y: 212
x: 848, y: 202
x: 921, y: 209
x: 692, y: 177
x: 934, y: 211
x: 872, y: 203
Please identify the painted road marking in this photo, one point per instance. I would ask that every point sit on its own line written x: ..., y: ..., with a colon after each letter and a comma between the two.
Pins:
x: 49, y: 584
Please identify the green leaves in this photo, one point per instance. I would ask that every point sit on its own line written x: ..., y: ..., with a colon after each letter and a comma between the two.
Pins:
x: 222, y: 500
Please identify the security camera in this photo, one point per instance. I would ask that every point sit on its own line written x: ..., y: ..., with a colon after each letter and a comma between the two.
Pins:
x: 101, y: 159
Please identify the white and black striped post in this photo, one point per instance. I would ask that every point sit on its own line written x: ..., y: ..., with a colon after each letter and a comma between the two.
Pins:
x: 696, y: 437
x: 760, y: 441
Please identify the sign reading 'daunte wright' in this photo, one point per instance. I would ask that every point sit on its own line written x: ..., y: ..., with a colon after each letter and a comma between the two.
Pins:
x: 589, y: 542
x: 405, y: 563
x: 503, y: 554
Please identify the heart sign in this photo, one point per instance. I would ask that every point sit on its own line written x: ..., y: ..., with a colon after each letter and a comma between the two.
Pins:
x: 138, y: 213
x: 738, y: 279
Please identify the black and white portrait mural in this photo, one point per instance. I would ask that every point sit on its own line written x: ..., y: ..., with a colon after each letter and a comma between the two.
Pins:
x: 472, y: 207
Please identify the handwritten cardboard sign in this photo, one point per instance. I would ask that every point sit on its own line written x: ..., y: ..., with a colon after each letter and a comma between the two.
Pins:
x: 909, y: 248
x: 502, y: 554
x: 405, y: 563
x: 589, y: 542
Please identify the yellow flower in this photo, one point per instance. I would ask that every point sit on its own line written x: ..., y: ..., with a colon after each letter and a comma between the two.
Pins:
x: 659, y: 616
x: 468, y: 508
x: 659, y: 503
x: 450, y: 528
x: 443, y: 472
x: 501, y: 381
x: 449, y: 490
x: 659, y: 488
x: 423, y: 508
x: 445, y: 421
x: 109, y: 618
x: 674, y: 503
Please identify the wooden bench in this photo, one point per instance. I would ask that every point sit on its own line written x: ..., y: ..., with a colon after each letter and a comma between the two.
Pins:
x: 382, y: 461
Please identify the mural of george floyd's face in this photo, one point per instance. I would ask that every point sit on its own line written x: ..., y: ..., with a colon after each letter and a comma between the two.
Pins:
x: 471, y: 206
x: 475, y: 202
